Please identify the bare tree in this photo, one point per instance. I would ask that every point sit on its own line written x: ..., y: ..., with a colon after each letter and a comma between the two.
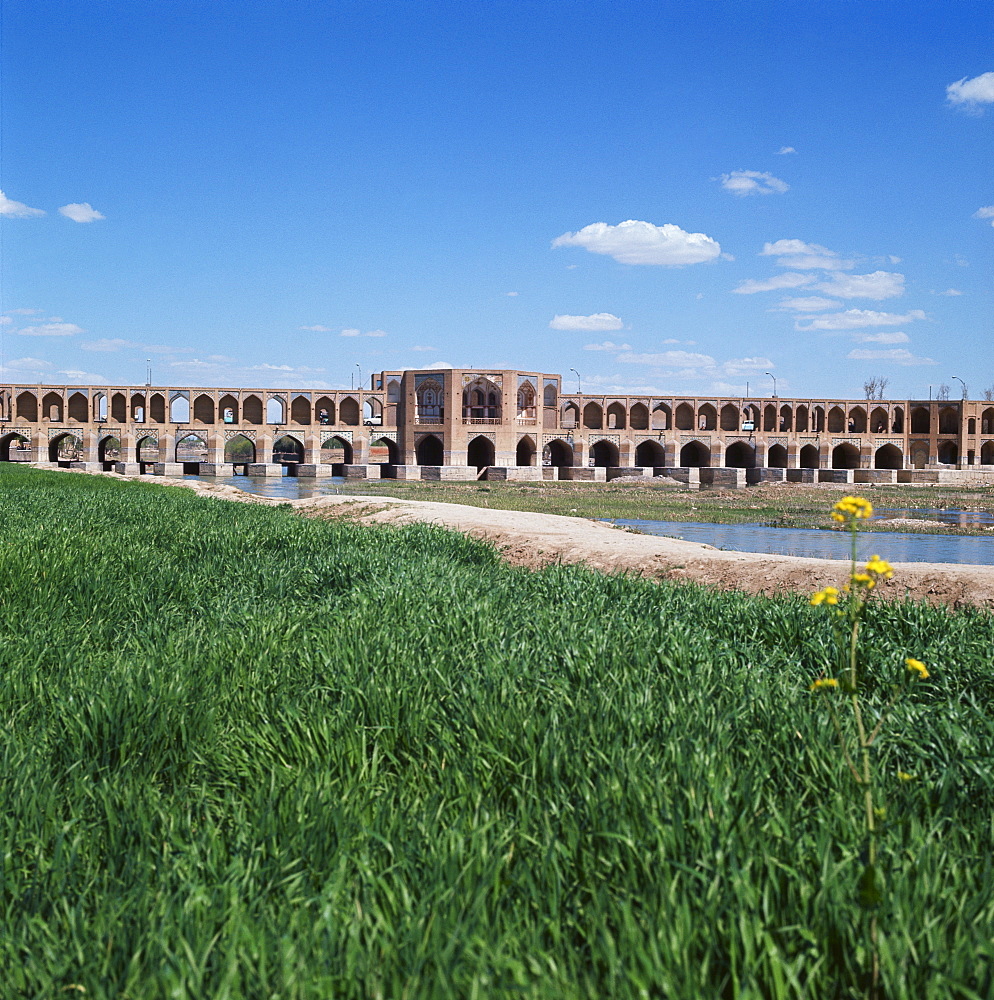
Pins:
x: 943, y: 392
x: 875, y: 386
x: 989, y: 393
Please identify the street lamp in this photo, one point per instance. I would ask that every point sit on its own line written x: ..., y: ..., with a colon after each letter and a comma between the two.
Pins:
x: 577, y: 374
x: 360, y: 376
x: 962, y: 383
x: 772, y: 376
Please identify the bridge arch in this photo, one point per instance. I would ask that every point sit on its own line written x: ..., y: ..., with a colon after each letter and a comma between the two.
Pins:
x: 8, y: 442
x: 335, y: 450
x: 558, y: 454
x: 78, y: 407
x: 888, y: 456
x: 650, y: 455
x: 809, y: 458
x: 239, y: 450
x: 288, y: 449
x: 740, y: 455
x: 429, y: 451
x: 525, y: 452
x: 376, y: 449
x: 605, y: 454
x: 147, y: 449
x: 227, y: 407
x: 65, y: 448
x: 480, y: 452
x: 845, y: 456
x: 191, y: 449
x: 27, y: 407
x: 776, y: 457
x: 695, y: 455
x: 109, y: 448
x: 638, y: 417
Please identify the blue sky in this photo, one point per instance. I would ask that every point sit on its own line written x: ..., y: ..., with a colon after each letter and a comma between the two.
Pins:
x: 672, y: 197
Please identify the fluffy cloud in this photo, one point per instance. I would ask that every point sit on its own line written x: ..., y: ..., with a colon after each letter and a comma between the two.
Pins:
x: 897, y: 356
x: 745, y: 182
x: 84, y: 378
x: 789, y: 280
x: 853, y: 319
x: 950, y: 291
x: 687, y: 364
x: 888, y: 337
x: 353, y: 332
x: 634, y: 242
x: 588, y: 324
x: 317, y: 328
x: 972, y: 93
x: 607, y: 345
x: 808, y: 303
x: 804, y: 256
x: 57, y: 329
x: 878, y: 285
x: 784, y: 150
x: 81, y: 212
x: 17, y: 209
x: 109, y: 344
x: 670, y: 359
x: 511, y: 295
x: 987, y: 212
x: 28, y: 364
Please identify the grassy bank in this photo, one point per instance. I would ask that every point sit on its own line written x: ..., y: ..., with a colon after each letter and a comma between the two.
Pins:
x: 248, y: 754
x: 787, y: 506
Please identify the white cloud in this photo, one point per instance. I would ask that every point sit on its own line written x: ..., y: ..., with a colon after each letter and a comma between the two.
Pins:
x: 784, y: 150
x: 511, y: 295
x: 634, y: 242
x: 949, y: 292
x: 107, y: 344
x: 804, y: 256
x: 5, y: 321
x: 808, y: 303
x: 897, y: 355
x: 316, y: 328
x: 423, y: 347
x: 84, y: 378
x: 690, y: 365
x: 853, y: 319
x: 51, y: 330
x: 17, y: 209
x: 888, y: 337
x: 673, y: 340
x: 670, y: 359
x: 987, y: 211
x: 745, y: 366
x: 24, y: 312
x: 789, y: 280
x: 607, y: 345
x: 588, y: 324
x: 375, y: 333
x: 972, y: 93
x: 81, y: 212
x: 28, y: 364
x: 746, y: 182
x: 353, y: 332
x: 878, y: 285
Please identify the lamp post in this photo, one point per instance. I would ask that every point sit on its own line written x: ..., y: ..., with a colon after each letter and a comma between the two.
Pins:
x: 360, y: 376
x: 962, y: 383
x: 772, y: 376
x: 577, y: 374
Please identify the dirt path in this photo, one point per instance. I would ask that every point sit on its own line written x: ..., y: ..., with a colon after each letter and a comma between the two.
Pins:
x: 534, y: 540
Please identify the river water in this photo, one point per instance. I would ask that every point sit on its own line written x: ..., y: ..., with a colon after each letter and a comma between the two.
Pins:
x: 821, y: 544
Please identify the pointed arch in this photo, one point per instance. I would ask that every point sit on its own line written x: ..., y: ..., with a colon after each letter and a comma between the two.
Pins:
x: 593, y: 416
x: 801, y: 419
x: 616, y: 416
x: 227, y: 407
x: 525, y: 452
x: 383, y: 451
x: 336, y: 450
x: 179, y: 408
x: 740, y: 455
x: 51, y: 406
x: 638, y: 417
x: 695, y: 455
x: 147, y: 449
x: 888, y: 457
x: 809, y: 458
x: 138, y: 410
x: 288, y: 450
x: 650, y: 455
x: 157, y: 408
x: 429, y: 451
x: 203, y: 409
x: 79, y: 407
x: 252, y: 410
x: 190, y: 449
x: 729, y: 417
x: 276, y: 411
x: 776, y: 457
x: 324, y: 410
x: 662, y: 418
x: 558, y: 454
x: 239, y: 450
x: 836, y: 422
x: 571, y: 415
x: 845, y: 456
x: 920, y: 420
x: 428, y: 397
x: 948, y: 453
x: 27, y: 407
x: 65, y: 448
x: 707, y: 417
x: 109, y: 449
x: 119, y: 407
x: 480, y: 452
x: 300, y: 411
x: 605, y: 454
x: 878, y: 420
x: 857, y: 420
x: 949, y: 421
x: 348, y: 412
x: 10, y: 443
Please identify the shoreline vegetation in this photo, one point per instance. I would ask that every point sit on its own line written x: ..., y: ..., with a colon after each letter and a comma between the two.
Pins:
x: 252, y: 754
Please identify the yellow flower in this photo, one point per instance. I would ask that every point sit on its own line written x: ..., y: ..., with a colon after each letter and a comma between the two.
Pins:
x: 852, y: 507
x: 824, y: 682
x: 864, y: 580
x: 829, y: 595
x: 904, y: 776
x: 880, y: 567
x: 917, y: 667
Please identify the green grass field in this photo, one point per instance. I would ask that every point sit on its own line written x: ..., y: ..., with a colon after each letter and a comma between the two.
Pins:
x: 246, y: 754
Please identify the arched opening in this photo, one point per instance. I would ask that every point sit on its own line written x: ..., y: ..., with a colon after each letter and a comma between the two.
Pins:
x: 920, y: 420
x: 288, y: 452
x: 616, y: 416
x: 786, y: 418
x: 64, y: 449
x: 740, y: 455
x: 729, y: 417
x: 857, y: 420
x: 987, y: 453
x: 429, y: 406
x: 808, y: 457
x: 109, y: 450
x: 119, y: 408
x: 707, y: 417
x: 324, y: 410
x: 526, y: 401
x: 239, y: 450
x: 78, y: 407
x: 252, y: 410
x: 638, y: 417
x: 593, y: 416
x: 275, y: 410
x: 919, y: 455
x: 801, y: 419
x: 971, y: 426
x: 348, y: 412
x: 191, y: 450
x: 383, y: 451
x: 336, y: 451
x: 550, y: 397
x: 685, y: 417
x: 480, y: 452
x: 393, y: 391
x: 203, y: 409
x: 818, y: 423
x: 481, y: 401
x: 300, y: 411
x: 604, y: 454
x: 662, y: 417
x: 227, y: 406
x: 571, y: 415
x: 695, y: 455
x: 557, y: 454
x: 429, y: 451
x: 147, y: 451
x: 776, y: 457
x: 897, y: 427
x: 769, y: 417
x: 836, y: 420
x: 650, y: 455
x: 845, y: 456
x: 157, y: 408
x: 372, y: 413
x: 948, y: 420
x: 878, y: 420
x: 524, y: 454
x: 14, y: 448
x: 948, y: 453
x: 888, y: 457
x: 27, y: 407
x: 51, y: 405
x: 987, y: 421
x: 138, y: 408
x: 179, y: 408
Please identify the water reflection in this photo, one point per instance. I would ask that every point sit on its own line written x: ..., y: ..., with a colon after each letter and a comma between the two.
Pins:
x: 959, y: 518
x: 287, y: 488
